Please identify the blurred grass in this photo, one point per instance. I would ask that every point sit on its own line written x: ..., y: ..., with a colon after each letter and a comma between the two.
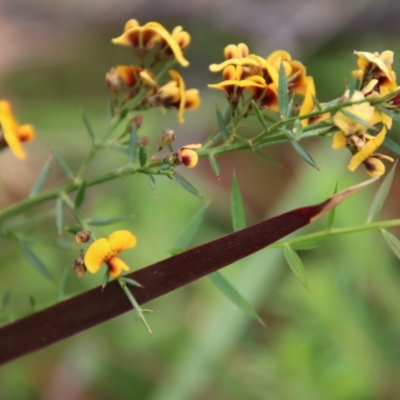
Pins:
x: 340, y: 341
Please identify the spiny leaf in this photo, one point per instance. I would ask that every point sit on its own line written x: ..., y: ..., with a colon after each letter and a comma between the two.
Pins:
x: 392, y: 241
x: 233, y: 295
x: 214, y: 165
x: 352, y: 86
x: 295, y: 265
x: 221, y: 124
x: 237, y: 209
x: 303, y: 154
x: 63, y: 284
x: 100, y: 221
x: 259, y: 115
x: 41, y: 179
x: 152, y: 183
x: 269, y: 159
x: 391, y: 114
x: 185, y: 238
x: 59, y: 216
x: 131, y: 282
x: 87, y: 126
x: 381, y: 194
x: 5, y: 299
x: 35, y: 261
x: 142, y: 155
x: 283, y: 94
x: 185, y: 184
x: 80, y: 194
x: 392, y: 145
x: 63, y: 165
x: 331, y: 216
x: 354, y: 117
x: 132, y: 144
x: 308, y: 244
x: 73, y: 229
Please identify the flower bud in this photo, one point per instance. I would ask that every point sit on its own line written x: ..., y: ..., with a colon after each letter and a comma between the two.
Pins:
x: 83, y: 236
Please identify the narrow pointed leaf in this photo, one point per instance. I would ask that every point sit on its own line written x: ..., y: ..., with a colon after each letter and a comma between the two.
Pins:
x: 73, y: 229
x: 152, y: 183
x: 392, y: 145
x: 101, y: 221
x: 392, y: 241
x: 353, y: 85
x: 63, y: 284
x: 258, y: 114
x: 227, y: 115
x: 132, y: 145
x: 234, y: 296
x: 41, y: 179
x: 5, y: 299
x: 142, y: 156
x: 35, y: 261
x: 356, y: 119
x: 283, y: 94
x: 269, y: 159
x: 131, y: 282
x: 63, y: 165
x: 88, y: 127
x: 59, y: 216
x: 96, y: 306
x: 80, y: 195
x: 391, y: 114
x: 308, y: 244
x: 111, y: 110
x: 303, y: 154
x: 221, y: 125
x: 32, y: 303
x: 331, y: 216
x: 214, y: 165
x: 186, y: 185
x: 237, y: 209
x: 381, y: 194
x: 185, y: 238
x: 296, y: 265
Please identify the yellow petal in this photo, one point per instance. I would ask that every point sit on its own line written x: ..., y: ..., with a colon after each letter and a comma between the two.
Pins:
x: 234, y: 61
x: 156, y: 30
x: 308, y: 103
x: 98, y: 252
x: 192, y: 99
x: 339, y: 140
x: 366, y: 151
x: 9, y: 126
x: 188, y: 157
x: 115, y: 266
x: 121, y: 240
x: 375, y: 167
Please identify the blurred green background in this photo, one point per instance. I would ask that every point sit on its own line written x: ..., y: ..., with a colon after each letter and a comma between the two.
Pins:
x: 338, y: 341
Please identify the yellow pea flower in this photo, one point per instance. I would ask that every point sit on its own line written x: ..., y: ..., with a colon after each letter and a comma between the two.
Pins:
x: 14, y: 133
x: 106, y: 251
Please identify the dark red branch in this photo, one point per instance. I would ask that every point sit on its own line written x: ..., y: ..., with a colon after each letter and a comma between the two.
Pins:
x: 93, y: 307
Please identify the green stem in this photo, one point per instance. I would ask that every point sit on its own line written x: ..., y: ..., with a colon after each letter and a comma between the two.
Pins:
x: 73, y: 186
x: 338, y: 231
x: 135, y: 304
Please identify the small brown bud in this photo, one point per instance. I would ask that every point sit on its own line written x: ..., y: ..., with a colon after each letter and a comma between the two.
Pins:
x: 83, y: 236
x: 79, y: 265
x: 167, y: 138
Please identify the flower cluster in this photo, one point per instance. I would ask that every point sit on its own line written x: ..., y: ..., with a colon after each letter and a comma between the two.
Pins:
x: 13, y: 134
x: 376, y: 80
x: 153, y: 46
x: 242, y: 71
